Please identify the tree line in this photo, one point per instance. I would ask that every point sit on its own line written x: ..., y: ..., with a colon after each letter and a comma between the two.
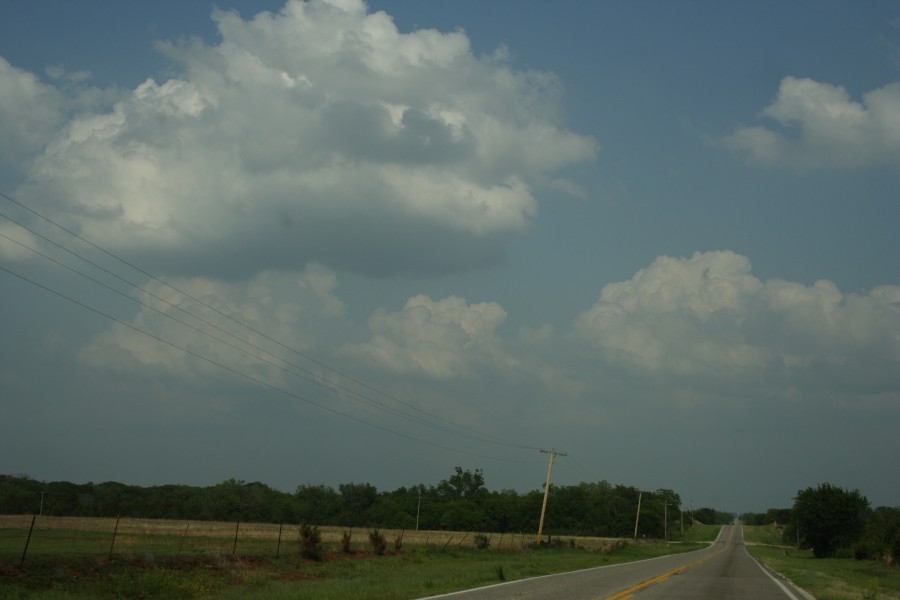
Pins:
x: 459, y: 503
x: 835, y: 522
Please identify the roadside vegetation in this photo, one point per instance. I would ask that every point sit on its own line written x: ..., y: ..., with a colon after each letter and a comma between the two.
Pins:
x: 331, y: 543
x: 831, y: 543
x: 331, y: 570
x: 461, y: 502
x: 830, y: 579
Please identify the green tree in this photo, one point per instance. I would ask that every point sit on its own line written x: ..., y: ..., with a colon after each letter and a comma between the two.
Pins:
x: 357, y: 498
x: 881, y: 538
x: 464, y: 484
x: 317, y: 504
x: 829, y: 518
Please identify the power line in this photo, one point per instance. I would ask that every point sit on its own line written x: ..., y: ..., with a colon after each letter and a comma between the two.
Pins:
x: 247, y: 376
x: 315, y: 378
x: 480, y: 434
x: 311, y: 378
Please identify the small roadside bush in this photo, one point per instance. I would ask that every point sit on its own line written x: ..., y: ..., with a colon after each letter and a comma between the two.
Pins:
x: 482, y: 542
x: 310, y: 542
x: 398, y: 543
x: 345, y: 542
x: 379, y: 544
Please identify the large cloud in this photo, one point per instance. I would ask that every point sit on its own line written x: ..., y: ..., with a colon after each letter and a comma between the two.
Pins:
x: 317, y: 133
x: 708, y: 319
x: 29, y: 114
x: 277, y: 310
x: 829, y: 128
x: 701, y: 328
x: 442, y: 339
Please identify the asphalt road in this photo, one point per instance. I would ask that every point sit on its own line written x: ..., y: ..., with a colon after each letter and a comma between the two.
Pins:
x: 722, y: 571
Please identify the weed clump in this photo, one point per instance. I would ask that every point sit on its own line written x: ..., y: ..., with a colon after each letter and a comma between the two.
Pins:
x: 379, y: 544
x: 311, y: 542
x: 482, y: 542
x: 345, y: 542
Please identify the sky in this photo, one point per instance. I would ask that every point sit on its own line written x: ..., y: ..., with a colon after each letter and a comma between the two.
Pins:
x: 329, y: 241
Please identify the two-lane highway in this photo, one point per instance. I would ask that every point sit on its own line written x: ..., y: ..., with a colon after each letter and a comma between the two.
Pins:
x: 722, y: 571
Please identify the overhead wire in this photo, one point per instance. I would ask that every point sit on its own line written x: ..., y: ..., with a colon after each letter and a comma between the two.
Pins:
x: 317, y: 379
x: 245, y: 326
x: 305, y: 374
x: 247, y: 376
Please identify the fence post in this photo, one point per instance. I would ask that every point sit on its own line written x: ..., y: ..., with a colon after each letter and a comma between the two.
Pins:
x: 27, y: 541
x: 183, y: 535
x: 278, y: 549
x: 237, y: 526
x: 113, y: 543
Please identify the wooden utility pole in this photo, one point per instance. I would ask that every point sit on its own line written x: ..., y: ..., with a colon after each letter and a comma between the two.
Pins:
x: 553, y: 454
x: 638, y: 516
x: 666, y: 522
x: 418, y: 508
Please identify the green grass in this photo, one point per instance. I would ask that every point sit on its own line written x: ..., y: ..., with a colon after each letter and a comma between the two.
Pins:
x: 826, y: 579
x: 412, y: 573
x: 698, y: 533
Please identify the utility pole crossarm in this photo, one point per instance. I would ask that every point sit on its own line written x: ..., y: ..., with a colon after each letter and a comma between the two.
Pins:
x: 553, y: 454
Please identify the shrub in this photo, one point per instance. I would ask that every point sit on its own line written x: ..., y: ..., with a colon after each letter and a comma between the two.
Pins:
x: 482, y: 541
x: 830, y: 518
x: 379, y: 544
x: 345, y: 542
x: 398, y: 543
x: 310, y: 542
x: 861, y: 551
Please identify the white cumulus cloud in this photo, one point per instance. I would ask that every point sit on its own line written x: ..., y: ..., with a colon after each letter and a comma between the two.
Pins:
x: 441, y: 339
x: 707, y: 318
x: 286, y: 307
x: 320, y: 132
x: 822, y: 126
x: 29, y: 114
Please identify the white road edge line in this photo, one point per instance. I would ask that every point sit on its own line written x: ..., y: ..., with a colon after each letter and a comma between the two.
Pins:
x: 505, y: 583
x: 773, y: 578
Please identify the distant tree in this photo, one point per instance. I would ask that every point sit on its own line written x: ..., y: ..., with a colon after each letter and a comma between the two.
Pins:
x: 464, y: 484
x: 317, y: 504
x: 829, y: 518
x: 357, y: 498
x: 780, y: 516
x: 881, y: 538
x: 463, y: 515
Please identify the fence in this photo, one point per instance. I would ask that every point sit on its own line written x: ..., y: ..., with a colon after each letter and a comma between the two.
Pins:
x: 24, y: 536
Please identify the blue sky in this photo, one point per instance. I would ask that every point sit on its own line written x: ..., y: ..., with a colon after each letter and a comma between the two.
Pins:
x: 658, y: 236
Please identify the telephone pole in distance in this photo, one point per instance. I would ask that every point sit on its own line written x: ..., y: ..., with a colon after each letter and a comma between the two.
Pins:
x: 553, y: 454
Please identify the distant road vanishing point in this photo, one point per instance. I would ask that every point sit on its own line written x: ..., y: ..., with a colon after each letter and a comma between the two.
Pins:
x: 724, y: 571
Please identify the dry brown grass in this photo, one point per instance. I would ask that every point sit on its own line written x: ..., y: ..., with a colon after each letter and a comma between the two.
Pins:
x: 133, y: 532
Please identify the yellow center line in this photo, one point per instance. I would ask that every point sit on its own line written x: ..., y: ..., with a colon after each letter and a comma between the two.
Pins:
x: 626, y: 594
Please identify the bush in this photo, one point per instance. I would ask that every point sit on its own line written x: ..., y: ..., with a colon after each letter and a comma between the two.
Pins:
x: 482, y: 541
x: 379, y: 544
x: 345, y: 542
x: 310, y: 542
x: 830, y: 518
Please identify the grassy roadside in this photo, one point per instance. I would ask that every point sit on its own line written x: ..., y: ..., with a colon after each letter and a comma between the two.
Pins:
x: 698, y: 533
x: 412, y: 573
x: 826, y: 579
